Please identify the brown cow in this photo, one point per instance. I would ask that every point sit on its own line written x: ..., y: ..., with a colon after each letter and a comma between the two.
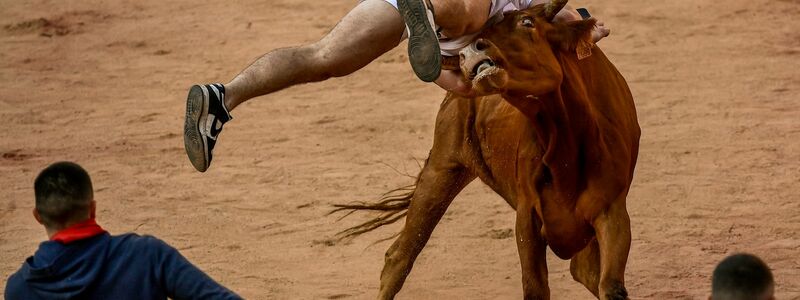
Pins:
x: 559, y: 144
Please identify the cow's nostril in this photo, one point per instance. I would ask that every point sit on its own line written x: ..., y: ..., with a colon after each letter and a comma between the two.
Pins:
x: 462, y: 57
x: 481, y: 45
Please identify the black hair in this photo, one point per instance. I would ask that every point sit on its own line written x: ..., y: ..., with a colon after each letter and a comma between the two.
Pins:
x: 740, y: 276
x: 63, y: 194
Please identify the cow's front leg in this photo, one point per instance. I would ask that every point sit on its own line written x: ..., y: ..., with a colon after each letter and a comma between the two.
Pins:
x: 532, y: 252
x: 613, y: 229
x: 585, y: 267
x: 436, y: 188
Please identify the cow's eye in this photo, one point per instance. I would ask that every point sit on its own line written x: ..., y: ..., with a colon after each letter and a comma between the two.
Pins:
x: 527, y: 22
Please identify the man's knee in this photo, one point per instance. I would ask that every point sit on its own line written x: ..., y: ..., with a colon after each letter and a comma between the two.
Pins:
x: 316, y: 63
x: 366, y: 32
x: 459, y: 17
x: 327, y: 63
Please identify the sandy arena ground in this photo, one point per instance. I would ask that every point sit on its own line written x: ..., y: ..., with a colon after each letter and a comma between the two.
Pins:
x: 103, y: 83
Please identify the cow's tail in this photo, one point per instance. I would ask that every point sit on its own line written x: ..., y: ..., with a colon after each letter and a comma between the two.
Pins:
x: 392, y: 206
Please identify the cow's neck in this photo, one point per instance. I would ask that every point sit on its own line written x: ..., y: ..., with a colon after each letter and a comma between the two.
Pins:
x: 568, y: 133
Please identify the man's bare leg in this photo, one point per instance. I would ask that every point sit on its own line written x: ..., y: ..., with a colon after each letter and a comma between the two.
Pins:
x: 369, y: 30
x: 366, y: 32
x: 343, y: 51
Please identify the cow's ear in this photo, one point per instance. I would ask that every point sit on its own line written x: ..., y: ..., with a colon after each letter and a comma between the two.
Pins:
x: 574, y: 36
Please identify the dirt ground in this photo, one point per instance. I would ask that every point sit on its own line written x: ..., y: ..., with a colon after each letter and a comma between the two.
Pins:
x: 103, y: 83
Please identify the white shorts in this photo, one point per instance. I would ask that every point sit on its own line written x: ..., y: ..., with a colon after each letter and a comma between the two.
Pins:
x: 392, y: 2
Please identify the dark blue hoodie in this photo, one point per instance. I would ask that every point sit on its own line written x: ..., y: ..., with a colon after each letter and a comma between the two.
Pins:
x: 127, y: 266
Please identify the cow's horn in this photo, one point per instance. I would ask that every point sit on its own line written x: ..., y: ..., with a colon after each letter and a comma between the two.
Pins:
x: 552, y: 8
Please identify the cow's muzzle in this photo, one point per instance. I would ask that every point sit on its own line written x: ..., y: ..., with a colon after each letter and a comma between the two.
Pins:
x: 484, y: 73
x: 474, y: 60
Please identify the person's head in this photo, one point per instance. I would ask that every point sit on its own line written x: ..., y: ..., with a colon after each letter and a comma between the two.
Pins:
x: 64, y: 196
x: 742, y: 276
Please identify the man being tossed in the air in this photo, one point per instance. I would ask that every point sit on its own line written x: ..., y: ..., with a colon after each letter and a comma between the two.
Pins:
x: 436, y: 29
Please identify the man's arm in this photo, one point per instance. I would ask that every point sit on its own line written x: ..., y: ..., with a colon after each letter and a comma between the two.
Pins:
x: 183, y: 280
x: 453, y: 81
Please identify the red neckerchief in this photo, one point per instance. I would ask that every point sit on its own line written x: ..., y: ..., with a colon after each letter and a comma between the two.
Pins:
x: 80, y: 231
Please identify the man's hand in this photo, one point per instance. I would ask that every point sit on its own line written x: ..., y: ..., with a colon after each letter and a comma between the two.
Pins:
x: 600, y: 31
x: 568, y: 13
x: 453, y: 81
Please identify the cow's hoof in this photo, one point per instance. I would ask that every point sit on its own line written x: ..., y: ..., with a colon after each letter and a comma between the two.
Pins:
x: 616, y: 292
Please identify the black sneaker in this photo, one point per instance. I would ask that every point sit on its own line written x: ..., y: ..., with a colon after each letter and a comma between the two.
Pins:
x: 423, y: 44
x: 205, y: 115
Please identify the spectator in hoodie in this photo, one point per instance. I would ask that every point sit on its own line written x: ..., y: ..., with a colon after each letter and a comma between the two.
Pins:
x: 742, y: 277
x: 82, y: 261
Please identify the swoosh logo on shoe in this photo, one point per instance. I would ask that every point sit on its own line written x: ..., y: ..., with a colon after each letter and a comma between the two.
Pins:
x: 209, y: 125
